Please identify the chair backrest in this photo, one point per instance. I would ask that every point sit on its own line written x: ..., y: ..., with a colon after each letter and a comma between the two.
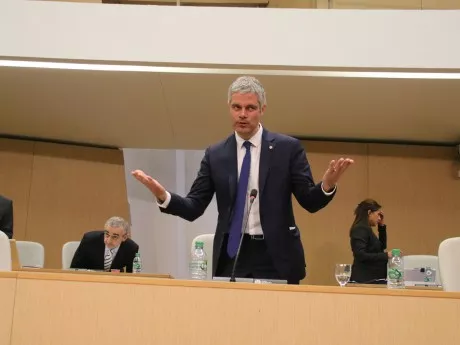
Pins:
x: 31, y: 254
x: 15, y: 264
x: 449, y: 264
x: 208, y: 240
x: 68, y: 251
x: 423, y: 261
x: 5, y: 252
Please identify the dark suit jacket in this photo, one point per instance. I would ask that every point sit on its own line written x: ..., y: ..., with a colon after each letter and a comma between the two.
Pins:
x: 90, y: 253
x: 6, y: 216
x: 283, y: 171
x: 370, y: 260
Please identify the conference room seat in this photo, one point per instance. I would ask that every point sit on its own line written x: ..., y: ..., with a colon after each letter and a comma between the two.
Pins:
x: 208, y: 240
x: 31, y: 254
x: 68, y: 251
x: 5, y: 252
x: 449, y: 263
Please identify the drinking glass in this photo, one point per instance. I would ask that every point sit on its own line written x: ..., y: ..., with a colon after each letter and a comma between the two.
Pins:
x: 342, y: 274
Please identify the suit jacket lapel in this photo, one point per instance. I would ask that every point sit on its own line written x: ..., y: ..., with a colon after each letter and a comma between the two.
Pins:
x: 100, y: 253
x: 117, y: 260
x: 232, y: 165
x: 268, y: 144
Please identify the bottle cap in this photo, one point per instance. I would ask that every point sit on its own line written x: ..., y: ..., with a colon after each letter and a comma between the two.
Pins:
x: 396, y: 252
x: 199, y: 244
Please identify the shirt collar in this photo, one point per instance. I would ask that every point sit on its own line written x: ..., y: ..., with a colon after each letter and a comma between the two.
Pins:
x: 255, y: 140
x: 114, y: 250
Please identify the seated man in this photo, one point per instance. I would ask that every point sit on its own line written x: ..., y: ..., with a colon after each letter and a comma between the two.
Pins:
x: 107, y: 250
x: 6, y: 216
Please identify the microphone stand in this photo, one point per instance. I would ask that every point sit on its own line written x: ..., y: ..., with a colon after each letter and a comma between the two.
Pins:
x: 243, y: 229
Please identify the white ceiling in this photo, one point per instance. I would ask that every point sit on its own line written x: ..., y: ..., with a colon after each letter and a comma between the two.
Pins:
x: 188, y: 110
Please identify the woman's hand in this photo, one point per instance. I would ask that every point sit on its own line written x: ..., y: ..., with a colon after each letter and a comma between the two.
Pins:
x: 381, y: 220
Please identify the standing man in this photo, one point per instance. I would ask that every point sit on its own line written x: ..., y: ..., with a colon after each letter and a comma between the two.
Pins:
x: 252, y: 158
x: 6, y: 216
x: 108, y: 249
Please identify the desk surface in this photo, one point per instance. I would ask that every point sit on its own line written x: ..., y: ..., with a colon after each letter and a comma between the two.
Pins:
x: 70, y: 271
x: 384, y: 286
x: 152, y: 279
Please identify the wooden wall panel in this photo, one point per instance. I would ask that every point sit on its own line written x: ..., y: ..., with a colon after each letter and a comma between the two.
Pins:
x: 292, y: 3
x: 416, y: 185
x: 440, y: 4
x: 16, y: 158
x: 62, y: 191
x: 74, y: 189
x: 376, y: 4
x: 420, y: 195
x: 325, y: 233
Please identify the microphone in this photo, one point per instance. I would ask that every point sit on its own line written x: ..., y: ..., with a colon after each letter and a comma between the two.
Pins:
x: 252, y: 197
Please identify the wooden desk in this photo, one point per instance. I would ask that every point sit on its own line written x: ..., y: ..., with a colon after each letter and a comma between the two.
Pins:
x: 75, y: 309
x: 121, y: 274
x: 7, y: 293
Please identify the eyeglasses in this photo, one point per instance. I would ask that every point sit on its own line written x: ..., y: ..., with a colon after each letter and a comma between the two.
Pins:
x: 112, y: 236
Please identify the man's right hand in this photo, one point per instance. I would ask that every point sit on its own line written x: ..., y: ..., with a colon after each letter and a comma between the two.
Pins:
x: 153, y: 185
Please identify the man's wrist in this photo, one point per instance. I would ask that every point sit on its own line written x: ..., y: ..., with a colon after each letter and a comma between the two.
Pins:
x: 327, y: 188
x: 162, y: 198
x: 163, y: 201
x: 329, y: 191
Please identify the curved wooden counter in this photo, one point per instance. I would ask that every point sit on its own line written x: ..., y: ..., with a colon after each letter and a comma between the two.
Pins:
x: 67, y: 308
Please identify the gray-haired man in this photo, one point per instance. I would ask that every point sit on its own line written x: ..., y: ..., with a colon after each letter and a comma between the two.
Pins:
x: 107, y: 249
x: 258, y: 166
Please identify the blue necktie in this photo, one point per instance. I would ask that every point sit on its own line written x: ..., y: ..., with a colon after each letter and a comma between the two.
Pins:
x: 240, y: 203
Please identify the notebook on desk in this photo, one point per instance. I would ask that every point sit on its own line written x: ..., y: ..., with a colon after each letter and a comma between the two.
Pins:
x: 251, y: 280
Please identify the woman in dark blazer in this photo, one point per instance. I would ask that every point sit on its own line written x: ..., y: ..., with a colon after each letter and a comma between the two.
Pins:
x: 370, y: 258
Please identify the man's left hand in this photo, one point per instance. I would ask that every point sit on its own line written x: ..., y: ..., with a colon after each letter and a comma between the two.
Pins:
x: 334, y: 171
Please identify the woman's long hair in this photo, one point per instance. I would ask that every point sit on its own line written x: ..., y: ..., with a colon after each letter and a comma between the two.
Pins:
x: 362, y: 212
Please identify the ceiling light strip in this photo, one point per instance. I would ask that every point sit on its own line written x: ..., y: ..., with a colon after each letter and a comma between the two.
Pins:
x: 236, y: 71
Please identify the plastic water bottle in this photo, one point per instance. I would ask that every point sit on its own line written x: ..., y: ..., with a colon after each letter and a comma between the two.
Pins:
x: 395, y: 278
x: 137, y: 263
x: 198, y: 263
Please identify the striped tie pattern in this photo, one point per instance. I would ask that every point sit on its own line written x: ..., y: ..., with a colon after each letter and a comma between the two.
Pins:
x: 108, y: 260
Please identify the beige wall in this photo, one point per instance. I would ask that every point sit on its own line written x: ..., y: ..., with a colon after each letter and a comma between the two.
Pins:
x: 416, y: 185
x: 60, y: 191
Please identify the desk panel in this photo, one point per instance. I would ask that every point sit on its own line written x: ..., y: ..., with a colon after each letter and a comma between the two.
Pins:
x: 7, y: 293
x: 67, y: 309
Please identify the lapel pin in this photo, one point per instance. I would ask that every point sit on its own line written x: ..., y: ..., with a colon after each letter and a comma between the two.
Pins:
x: 270, y: 147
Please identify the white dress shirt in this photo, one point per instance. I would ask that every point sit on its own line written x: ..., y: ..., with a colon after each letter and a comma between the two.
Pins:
x: 254, y: 227
x: 114, y: 252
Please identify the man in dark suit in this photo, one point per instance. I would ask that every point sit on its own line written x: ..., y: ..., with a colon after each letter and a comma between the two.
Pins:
x: 253, y: 158
x: 6, y: 216
x: 107, y: 250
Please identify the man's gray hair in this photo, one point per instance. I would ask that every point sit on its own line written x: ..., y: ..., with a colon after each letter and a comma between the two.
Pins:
x: 118, y: 222
x: 247, y: 84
